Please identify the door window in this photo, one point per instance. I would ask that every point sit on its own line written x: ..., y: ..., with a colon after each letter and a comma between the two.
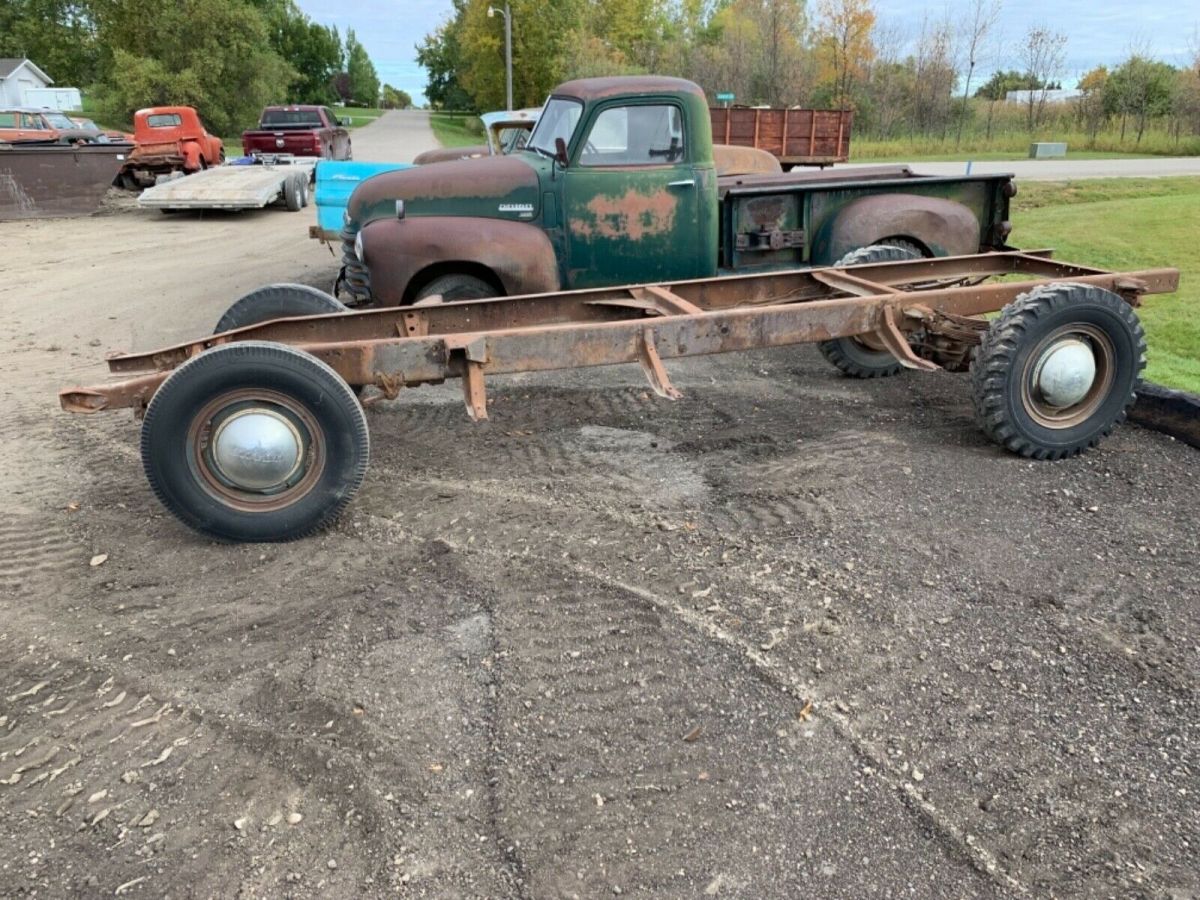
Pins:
x: 28, y: 120
x: 8, y: 120
x: 635, y: 136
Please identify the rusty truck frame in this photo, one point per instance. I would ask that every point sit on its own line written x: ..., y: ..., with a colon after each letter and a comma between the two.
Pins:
x: 278, y: 380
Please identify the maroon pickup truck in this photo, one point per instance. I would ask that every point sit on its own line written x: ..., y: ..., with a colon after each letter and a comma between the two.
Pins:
x: 300, y: 131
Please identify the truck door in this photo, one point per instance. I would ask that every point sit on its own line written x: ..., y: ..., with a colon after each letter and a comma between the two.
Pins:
x: 631, y: 199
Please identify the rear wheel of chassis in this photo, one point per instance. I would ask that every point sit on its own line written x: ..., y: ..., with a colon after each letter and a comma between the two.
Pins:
x: 277, y: 301
x: 861, y: 356
x: 1058, y: 370
x: 255, y: 441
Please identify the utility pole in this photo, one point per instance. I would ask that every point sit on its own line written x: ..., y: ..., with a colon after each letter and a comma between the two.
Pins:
x: 507, y: 13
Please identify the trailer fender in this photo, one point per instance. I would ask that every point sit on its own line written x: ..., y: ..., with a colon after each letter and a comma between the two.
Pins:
x: 399, y: 252
x: 943, y: 227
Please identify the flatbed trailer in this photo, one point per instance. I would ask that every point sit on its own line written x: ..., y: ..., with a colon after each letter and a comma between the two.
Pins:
x: 258, y: 433
x: 236, y: 186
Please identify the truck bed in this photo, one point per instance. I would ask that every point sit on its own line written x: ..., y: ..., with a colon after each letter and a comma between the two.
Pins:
x: 787, y: 220
x: 224, y: 187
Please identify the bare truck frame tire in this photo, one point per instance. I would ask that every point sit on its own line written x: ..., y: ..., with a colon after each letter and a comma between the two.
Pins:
x: 456, y: 287
x: 1058, y: 370
x: 854, y: 356
x: 255, y: 441
x: 277, y: 301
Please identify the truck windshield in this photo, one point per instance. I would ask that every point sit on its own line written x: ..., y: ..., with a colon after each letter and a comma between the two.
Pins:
x: 291, y: 118
x: 558, y: 120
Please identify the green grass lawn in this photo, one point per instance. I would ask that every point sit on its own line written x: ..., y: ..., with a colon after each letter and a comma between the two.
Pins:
x: 883, y: 154
x: 1129, y: 223
x: 358, y: 117
x: 453, y: 130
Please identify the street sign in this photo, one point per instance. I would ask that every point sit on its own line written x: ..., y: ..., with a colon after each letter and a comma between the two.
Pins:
x: 724, y: 98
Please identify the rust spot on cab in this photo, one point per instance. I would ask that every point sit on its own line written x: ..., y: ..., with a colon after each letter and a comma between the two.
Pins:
x: 633, y: 215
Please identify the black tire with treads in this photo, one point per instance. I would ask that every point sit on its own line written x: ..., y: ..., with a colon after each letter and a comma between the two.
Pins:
x: 169, y: 452
x: 1004, y: 358
x: 850, y: 356
x: 458, y: 287
x: 277, y: 301
x: 291, y: 194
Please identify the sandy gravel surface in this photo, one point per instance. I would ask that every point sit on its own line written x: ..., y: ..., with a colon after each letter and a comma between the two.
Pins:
x: 793, y: 635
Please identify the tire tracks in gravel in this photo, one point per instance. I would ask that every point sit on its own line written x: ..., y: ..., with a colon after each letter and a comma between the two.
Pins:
x: 551, y: 672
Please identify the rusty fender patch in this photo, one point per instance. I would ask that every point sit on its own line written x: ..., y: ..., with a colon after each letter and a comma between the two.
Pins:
x: 633, y: 215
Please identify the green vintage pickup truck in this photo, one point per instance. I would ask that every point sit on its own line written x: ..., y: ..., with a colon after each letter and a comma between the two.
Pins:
x: 617, y: 185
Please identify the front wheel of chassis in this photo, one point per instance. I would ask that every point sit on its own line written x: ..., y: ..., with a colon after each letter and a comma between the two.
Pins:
x: 1057, y: 370
x: 255, y: 441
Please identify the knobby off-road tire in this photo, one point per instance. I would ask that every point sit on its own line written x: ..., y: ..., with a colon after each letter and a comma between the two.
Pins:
x: 255, y: 441
x: 277, y: 301
x: 1019, y: 402
x: 851, y: 356
x: 457, y: 287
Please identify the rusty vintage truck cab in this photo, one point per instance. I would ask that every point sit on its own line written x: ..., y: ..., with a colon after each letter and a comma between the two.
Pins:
x: 617, y: 185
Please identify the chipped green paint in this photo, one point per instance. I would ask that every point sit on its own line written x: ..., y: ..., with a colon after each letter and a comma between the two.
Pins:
x: 670, y: 219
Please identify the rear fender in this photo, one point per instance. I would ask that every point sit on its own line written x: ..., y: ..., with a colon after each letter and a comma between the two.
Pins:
x: 397, y: 251
x: 943, y: 227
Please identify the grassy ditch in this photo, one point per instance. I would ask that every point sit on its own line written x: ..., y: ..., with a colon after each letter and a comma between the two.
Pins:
x: 457, y: 129
x: 1129, y: 223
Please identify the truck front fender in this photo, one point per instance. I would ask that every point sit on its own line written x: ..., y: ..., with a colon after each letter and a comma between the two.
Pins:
x: 943, y: 227
x: 400, y: 253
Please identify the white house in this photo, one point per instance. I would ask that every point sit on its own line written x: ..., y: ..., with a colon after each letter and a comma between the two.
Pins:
x: 24, y: 84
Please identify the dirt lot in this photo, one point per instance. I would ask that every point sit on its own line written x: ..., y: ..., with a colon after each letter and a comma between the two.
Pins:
x: 792, y: 635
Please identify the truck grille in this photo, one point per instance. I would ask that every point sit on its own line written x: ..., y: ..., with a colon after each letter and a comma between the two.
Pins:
x: 355, y: 275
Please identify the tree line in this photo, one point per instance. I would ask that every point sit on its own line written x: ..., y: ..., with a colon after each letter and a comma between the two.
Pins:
x: 903, y: 80
x: 227, y: 58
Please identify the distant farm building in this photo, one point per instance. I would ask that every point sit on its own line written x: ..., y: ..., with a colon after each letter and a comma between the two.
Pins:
x: 23, y: 84
x: 1051, y: 96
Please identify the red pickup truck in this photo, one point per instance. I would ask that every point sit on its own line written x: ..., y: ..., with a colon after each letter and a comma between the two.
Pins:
x: 300, y: 131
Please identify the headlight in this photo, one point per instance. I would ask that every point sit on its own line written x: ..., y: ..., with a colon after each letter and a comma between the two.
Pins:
x: 358, y: 247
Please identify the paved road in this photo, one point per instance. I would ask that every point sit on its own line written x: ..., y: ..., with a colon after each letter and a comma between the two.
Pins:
x: 396, y: 136
x: 1065, y: 169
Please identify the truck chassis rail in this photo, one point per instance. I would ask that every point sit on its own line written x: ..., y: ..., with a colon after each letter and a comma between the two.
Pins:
x: 399, y: 347
x: 255, y: 434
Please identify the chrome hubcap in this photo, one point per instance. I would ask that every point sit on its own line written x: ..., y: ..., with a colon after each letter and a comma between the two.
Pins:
x: 257, y: 449
x: 1065, y: 372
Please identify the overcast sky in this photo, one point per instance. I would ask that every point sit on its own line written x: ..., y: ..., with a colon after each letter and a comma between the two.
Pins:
x: 1099, y: 31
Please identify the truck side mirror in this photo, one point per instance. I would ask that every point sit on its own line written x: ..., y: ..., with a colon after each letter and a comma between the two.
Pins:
x: 560, y: 151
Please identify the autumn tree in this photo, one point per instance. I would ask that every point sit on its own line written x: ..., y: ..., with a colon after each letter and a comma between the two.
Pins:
x: 934, y: 77
x: 214, y: 55
x: 977, y: 28
x: 364, y: 81
x: 1042, y: 53
x: 844, y: 48
x: 1144, y: 89
x: 1093, y: 105
x: 394, y: 98
x: 440, y: 54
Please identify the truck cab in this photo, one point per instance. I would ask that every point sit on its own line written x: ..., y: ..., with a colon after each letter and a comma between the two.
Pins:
x: 616, y: 185
x: 170, y: 139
